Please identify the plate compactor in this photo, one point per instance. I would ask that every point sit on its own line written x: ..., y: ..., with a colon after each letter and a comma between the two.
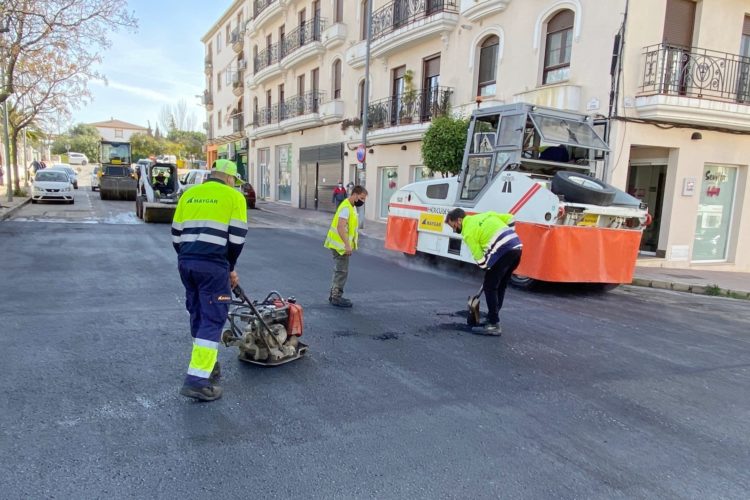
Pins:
x: 267, y: 332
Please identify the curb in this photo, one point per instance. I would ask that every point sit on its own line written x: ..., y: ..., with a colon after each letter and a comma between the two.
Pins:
x: 711, y: 290
x: 15, y: 209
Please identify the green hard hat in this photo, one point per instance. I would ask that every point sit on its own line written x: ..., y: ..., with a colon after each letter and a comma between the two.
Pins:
x: 227, y: 167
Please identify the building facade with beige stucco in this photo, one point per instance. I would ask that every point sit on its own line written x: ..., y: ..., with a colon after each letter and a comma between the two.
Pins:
x: 674, y: 115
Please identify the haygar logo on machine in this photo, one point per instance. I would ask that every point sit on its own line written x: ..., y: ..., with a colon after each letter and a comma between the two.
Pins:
x: 210, y: 201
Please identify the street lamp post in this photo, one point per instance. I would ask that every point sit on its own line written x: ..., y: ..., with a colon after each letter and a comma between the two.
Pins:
x: 366, y: 100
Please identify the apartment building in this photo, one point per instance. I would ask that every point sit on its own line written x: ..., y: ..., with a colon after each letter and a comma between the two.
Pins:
x: 224, y: 97
x: 679, y: 136
x: 678, y: 118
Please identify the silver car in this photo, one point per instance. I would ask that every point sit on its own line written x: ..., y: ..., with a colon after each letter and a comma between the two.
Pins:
x: 64, y: 167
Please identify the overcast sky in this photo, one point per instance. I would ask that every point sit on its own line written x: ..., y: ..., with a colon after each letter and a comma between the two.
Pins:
x: 160, y: 64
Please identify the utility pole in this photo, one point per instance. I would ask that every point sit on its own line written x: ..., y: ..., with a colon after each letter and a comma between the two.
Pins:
x: 366, y: 100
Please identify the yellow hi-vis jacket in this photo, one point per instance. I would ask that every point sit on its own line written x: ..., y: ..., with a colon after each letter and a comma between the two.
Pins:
x: 333, y: 240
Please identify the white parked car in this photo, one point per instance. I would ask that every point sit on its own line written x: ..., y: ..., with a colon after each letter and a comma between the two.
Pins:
x: 193, y: 178
x: 52, y: 185
x: 68, y: 170
x: 95, y: 177
x: 77, y: 159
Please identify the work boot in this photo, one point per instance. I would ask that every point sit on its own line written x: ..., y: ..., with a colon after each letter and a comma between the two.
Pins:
x: 215, y: 374
x: 340, y: 301
x: 208, y: 393
x: 490, y: 329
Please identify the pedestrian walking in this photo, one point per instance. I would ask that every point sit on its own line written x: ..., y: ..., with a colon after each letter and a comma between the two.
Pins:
x: 342, y: 239
x: 208, y: 232
x: 339, y: 194
x: 495, y: 246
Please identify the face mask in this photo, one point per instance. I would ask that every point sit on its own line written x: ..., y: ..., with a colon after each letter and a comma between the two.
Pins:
x: 458, y: 230
x: 359, y: 203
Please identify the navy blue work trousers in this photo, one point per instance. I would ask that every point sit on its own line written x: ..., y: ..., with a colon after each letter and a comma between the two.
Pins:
x: 207, y: 298
x: 496, y: 280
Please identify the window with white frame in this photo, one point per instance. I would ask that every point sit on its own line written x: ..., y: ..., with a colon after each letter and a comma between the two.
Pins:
x: 558, y: 47
x: 488, y: 52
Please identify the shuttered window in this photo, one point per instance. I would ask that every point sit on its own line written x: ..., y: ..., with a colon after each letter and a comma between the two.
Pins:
x: 679, y: 22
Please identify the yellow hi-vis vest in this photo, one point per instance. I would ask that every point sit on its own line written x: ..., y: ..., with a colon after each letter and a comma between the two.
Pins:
x: 333, y: 240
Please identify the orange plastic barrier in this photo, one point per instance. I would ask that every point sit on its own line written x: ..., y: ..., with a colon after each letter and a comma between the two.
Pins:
x: 401, y: 234
x: 576, y: 254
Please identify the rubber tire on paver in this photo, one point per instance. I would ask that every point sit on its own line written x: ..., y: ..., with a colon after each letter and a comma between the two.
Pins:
x: 523, y: 282
x: 581, y: 188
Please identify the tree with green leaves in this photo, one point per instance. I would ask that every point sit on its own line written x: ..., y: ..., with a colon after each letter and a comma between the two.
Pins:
x: 443, y: 145
x: 81, y: 139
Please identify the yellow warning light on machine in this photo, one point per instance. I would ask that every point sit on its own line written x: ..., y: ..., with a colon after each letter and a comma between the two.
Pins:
x: 431, y: 222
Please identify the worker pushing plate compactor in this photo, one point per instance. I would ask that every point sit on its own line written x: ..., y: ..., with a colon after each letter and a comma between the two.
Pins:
x: 267, y: 332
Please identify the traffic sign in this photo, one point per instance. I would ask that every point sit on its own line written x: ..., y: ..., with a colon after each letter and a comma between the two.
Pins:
x: 361, y: 153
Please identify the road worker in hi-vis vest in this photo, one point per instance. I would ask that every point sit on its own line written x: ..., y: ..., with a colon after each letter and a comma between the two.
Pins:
x: 208, y: 232
x: 342, y: 240
x: 496, y: 248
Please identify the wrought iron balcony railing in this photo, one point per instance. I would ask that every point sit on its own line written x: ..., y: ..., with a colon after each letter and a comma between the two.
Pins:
x: 417, y: 106
x: 208, y: 98
x: 399, y: 13
x: 261, y: 5
x: 301, y: 105
x: 266, y: 57
x: 694, y: 72
x: 236, y: 35
x: 302, y: 35
x: 266, y: 116
x: 238, y: 123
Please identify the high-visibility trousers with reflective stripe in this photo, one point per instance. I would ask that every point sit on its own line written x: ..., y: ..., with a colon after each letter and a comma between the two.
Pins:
x: 207, y: 298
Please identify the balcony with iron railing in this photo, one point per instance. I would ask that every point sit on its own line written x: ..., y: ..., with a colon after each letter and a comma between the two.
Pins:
x: 237, y: 39
x: 695, y: 86
x: 238, y: 85
x: 301, y: 111
x: 208, y: 64
x: 238, y: 123
x: 303, y: 42
x: 208, y: 100
x: 265, y: 65
x: 402, y: 23
x: 264, y: 11
x: 295, y: 113
x: 409, y: 113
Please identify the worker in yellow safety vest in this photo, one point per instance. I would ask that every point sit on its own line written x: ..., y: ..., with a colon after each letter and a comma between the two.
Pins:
x: 208, y: 233
x: 342, y: 240
x: 495, y: 246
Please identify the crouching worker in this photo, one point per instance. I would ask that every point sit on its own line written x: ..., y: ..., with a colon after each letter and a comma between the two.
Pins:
x: 208, y: 232
x: 496, y: 247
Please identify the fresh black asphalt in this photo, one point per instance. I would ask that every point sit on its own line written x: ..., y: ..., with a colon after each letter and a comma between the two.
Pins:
x: 632, y: 394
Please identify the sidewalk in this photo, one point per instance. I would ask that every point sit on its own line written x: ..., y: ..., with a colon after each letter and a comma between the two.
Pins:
x: 719, y: 283
x: 8, y: 209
